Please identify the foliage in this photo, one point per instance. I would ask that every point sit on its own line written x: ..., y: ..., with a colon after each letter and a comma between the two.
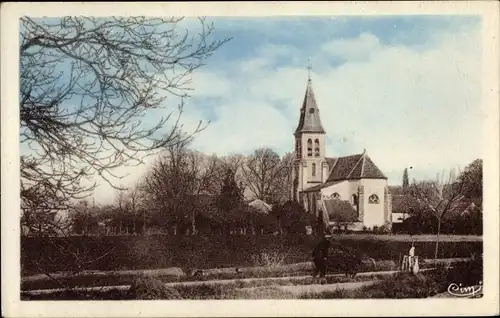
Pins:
x: 164, y: 251
x: 291, y: 217
x: 269, y: 259
x: 472, y: 180
x: 341, y: 213
x: 145, y: 288
x: 406, y: 181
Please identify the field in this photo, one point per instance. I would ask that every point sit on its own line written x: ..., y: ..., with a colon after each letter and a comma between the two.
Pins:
x: 428, y: 283
x: 198, y: 252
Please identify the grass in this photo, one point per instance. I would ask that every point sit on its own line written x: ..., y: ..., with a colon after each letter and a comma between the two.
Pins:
x: 189, y: 253
x: 401, y: 285
x: 410, y: 238
x: 117, y: 278
x: 397, y: 287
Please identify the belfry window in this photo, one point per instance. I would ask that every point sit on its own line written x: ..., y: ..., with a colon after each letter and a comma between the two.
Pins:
x: 309, y: 148
x: 316, y: 148
x: 313, y: 169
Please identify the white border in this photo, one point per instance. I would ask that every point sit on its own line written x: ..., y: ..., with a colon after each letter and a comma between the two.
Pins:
x: 12, y: 307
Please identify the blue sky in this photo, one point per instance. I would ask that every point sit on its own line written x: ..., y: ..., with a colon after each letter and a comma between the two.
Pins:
x: 406, y: 88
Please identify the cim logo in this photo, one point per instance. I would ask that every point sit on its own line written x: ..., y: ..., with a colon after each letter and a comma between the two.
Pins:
x: 464, y: 291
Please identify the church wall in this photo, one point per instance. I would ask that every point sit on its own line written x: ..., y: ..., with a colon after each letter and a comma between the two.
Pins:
x: 341, y: 188
x: 373, y: 212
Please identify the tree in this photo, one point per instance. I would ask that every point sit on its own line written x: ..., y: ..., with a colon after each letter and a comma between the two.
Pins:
x: 86, y: 84
x: 341, y: 213
x: 230, y: 199
x: 284, y: 182
x: 265, y: 173
x: 406, y: 181
x: 291, y: 217
x: 472, y: 180
x: 439, y: 197
x: 175, y: 182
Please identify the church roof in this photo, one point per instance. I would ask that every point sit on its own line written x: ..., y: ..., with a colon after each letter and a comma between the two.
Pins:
x: 353, y: 167
x: 321, y: 186
x: 309, y: 113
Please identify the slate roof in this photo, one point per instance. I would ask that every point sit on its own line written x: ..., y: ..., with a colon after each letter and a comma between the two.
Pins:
x: 309, y: 113
x: 353, y: 167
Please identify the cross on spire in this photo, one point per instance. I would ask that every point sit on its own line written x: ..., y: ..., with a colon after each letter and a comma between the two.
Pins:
x: 309, y: 68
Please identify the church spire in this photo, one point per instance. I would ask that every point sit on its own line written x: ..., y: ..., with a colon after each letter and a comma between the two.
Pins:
x: 309, y: 68
x: 309, y: 121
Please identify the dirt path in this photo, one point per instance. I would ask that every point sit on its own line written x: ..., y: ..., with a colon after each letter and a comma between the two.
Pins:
x: 314, y: 288
x: 249, y: 280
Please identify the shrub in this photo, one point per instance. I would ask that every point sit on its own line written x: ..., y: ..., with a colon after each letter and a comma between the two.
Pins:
x: 270, y: 259
x: 151, y: 289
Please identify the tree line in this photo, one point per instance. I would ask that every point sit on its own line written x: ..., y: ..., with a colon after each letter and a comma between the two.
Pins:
x: 188, y: 192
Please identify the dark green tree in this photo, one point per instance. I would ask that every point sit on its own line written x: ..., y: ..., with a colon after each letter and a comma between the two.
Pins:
x: 472, y: 180
x: 230, y: 201
x: 406, y: 181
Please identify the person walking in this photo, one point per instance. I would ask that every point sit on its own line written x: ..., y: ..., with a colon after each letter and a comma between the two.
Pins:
x: 320, y: 256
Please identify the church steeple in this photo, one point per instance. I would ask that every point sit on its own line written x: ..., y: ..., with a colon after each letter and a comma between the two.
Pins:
x: 310, y: 166
x: 309, y: 121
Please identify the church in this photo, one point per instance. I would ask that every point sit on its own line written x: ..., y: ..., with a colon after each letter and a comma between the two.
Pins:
x: 329, y: 185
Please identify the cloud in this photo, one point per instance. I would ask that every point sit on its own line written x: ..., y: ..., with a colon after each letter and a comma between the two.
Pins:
x: 408, y: 105
x: 209, y: 84
x: 243, y: 126
x: 353, y: 49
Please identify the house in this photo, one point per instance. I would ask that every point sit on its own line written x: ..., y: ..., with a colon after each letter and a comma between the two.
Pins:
x: 353, y: 178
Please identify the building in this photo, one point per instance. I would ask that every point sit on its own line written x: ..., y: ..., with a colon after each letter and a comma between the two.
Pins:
x: 354, y: 178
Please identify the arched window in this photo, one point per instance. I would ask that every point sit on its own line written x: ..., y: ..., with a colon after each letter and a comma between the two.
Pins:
x: 313, y: 168
x: 316, y: 148
x: 373, y: 199
x: 309, y: 147
x: 355, y: 203
x: 335, y: 196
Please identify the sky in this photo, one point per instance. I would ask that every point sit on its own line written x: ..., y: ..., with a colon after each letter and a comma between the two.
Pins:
x: 405, y: 88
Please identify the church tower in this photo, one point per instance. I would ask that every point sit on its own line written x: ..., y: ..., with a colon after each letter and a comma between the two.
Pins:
x: 310, y: 167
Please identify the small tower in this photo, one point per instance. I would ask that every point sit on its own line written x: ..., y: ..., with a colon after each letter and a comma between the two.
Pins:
x: 309, y: 146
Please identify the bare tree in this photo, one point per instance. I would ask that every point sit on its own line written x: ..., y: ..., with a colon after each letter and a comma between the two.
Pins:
x: 86, y: 85
x: 178, y: 177
x: 264, y: 173
x: 439, y: 197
